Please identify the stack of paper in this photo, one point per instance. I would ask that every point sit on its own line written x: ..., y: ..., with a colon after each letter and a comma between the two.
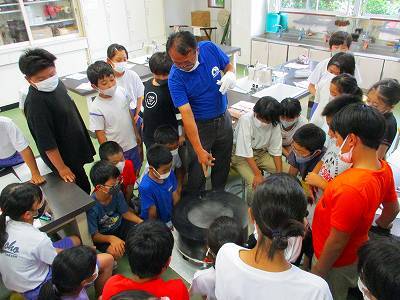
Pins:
x: 24, y: 174
x: 280, y: 91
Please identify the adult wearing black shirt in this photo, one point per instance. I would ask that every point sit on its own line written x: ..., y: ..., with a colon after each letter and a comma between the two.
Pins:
x: 54, y: 121
x: 384, y: 95
x: 158, y: 107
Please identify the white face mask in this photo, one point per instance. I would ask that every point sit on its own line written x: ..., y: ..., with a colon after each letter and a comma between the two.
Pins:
x: 163, y: 176
x: 255, y: 232
x: 120, y: 166
x: 174, y: 152
x: 48, y: 85
x: 287, y: 124
x: 96, y: 274
x: 196, y: 64
x: 110, y: 91
x: 363, y: 289
x: 120, y: 67
x: 260, y: 124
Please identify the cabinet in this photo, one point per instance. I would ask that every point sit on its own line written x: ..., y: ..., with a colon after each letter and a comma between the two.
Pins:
x: 391, y: 69
x: 277, y: 54
x: 370, y: 70
x: 295, y: 51
x: 319, y: 55
x: 259, y: 52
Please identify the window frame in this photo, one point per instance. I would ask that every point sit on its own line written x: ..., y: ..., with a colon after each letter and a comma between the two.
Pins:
x: 31, y: 42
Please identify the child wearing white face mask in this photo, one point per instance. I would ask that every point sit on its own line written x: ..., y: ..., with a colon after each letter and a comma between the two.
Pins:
x: 117, y: 57
x: 75, y: 269
x: 109, y: 113
x: 340, y: 63
x: 158, y: 188
x: 258, y: 143
x: 291, y: 120
x: 112, y: 152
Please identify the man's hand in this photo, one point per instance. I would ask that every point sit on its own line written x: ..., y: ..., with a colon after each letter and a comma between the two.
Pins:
x: 37, y: 179
x: 205, y: 158
x: 258, y: 179
x: 66, y: 174
x: 228, y: 81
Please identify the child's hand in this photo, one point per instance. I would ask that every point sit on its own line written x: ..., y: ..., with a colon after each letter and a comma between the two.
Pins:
x: 181, y: 140
x: 117, y: 246
x: 314, y: 179
x: 258, y: 179
x: 37, y: 179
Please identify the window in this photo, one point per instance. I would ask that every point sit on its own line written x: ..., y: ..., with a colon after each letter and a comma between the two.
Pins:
x: 384, y: 8
x: 29, y: 20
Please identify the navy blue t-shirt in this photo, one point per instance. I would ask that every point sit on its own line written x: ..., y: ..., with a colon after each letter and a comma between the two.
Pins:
x: 157, y: 194
x: 106, y: 219
x: 199, y: 88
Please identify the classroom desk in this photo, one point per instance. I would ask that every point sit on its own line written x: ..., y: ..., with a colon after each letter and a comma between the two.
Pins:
x: 68, y: 204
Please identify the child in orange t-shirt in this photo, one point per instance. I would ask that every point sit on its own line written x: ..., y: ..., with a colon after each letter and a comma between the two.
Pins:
x: 111, y: 151
x: 347, y: 208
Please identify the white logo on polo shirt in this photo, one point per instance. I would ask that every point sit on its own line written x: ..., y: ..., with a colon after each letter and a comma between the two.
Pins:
x: 215, y: 71
x: 151, y: 99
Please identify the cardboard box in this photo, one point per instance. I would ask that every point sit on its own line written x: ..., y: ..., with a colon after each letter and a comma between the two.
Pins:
x: 42, y: 32
x: 201, y: 18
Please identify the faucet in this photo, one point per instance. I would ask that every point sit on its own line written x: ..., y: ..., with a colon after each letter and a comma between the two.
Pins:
x: 301, y: 35
x: 280, y: 30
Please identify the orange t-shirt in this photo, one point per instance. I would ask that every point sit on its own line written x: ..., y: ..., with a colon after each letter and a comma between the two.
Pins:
x: 349, y: 204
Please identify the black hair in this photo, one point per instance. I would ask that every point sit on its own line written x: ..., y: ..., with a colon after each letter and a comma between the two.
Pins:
x: 347, y: 84
x: 166, y: 134
x: 379, y: 267
x: 268, y: 109
x: 102, y: 171
x: 109, y: 148
x: 35, y: 60
x: 344, y: 61
x: 223, y: 230
x: 388, y: 91
x: 182, y: 41
x: 362, y: 120
x: 340, y: 38
x: 16, y: 199
x: 338, y: 103
x: 98, y: 70
x: 279, y: 208
x: 158, y: 155
x: 291, y: 108
x: 134, y: 295
x: 310, y: 137
x: 149, y: 246
x: 70, y: 267
x: 113, y: 48
x: 160, y: 63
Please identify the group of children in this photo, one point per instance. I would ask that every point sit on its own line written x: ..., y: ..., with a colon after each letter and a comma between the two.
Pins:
x: 337, y: 156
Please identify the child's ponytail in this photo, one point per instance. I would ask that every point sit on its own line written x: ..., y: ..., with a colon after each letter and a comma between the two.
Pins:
x: 48, y: 291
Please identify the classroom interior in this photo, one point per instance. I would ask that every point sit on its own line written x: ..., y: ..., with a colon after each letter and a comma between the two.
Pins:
x: 269, y: 34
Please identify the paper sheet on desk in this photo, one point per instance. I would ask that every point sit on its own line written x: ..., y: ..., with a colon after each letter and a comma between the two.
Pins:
x: 8, y: 179
x: 84, y: 86
x: 77, y: 76
x: 244, y: 106
x: 302, y: 84
x: 24, y: 174
x: 280, y: 91
x: 296, y: 66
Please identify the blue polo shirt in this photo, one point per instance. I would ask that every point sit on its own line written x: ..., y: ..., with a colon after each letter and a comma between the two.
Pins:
x: 157, y: 194
x: 199, y: 88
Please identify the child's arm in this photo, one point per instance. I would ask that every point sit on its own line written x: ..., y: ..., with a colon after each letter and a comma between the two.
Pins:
x: 286, y: 150
x: 135, y: 129
x: 293, y: 171
x: 138, y: 108
x: 153, y: 212
x: 176, y: 196
x: 101, y: 136
x: 130, y: 216
x: 129, y: 192
x: 316, y: 180
x: 278, y: 163
x: 317, y: 167
x: 117, y: 245
x: 312, y: 89
x: 258, y: 177
x: 30, y: 160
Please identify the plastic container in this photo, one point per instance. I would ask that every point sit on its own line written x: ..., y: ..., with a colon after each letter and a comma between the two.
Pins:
x: 272, y: 20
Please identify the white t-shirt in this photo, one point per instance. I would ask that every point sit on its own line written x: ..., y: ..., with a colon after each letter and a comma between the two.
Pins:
x: 133, y: 86
x: 322, y: 97
x: 112, y: 115
x: 248, y: 136
x: 26, y: 257
x: 235, y: 280
x: 320, y: 69
x: 204, y: 283
x: 287, y: 136
x: 11, y: 138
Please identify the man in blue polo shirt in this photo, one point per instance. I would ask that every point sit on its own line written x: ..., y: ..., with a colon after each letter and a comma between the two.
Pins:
x: 198, y: 90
